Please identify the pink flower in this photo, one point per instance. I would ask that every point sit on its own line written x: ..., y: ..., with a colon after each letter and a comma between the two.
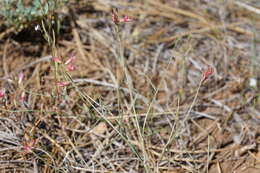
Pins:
x: 27, y: 147
x: 125, y: 19
x: 57, y: 59
x: 116, y: 20
x: 71, y: 59
x: 62, y: 84
x: 20, y: 77
x: 71, y: 67
x: 22, y: 97
x: 207, y: 73
x: 2, y: 93
x: 114, y: 16
x: 70, y: 63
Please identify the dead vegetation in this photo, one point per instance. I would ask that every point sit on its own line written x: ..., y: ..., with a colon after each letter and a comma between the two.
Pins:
x: 131, y: 103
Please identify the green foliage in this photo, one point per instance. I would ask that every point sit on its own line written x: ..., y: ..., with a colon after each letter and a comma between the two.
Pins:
x: 18, y: 14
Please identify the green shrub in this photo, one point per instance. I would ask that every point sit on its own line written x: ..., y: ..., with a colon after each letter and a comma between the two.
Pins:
x: 18, y: 14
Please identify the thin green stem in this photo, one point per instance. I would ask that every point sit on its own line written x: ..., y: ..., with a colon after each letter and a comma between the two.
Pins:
x: 194, y: 101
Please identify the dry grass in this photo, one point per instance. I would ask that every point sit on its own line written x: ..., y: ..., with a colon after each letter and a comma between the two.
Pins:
x: 131, y: 105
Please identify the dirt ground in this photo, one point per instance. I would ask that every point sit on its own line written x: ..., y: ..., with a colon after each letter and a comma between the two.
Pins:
x: 142, y: 97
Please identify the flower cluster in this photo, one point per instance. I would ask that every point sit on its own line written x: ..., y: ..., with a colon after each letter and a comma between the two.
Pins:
x: 27, y: 147
x: 207, y: 73
x: 118, y: 20
x: 70, y: 65
x: 70, y: 62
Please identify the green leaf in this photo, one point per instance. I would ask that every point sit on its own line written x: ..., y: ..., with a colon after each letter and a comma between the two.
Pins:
x: 46, y: 8
x: 36, y: 3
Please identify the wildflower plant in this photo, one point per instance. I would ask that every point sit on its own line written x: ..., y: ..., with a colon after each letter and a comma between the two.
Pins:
x: 205, y: 75
x: 120, y: 50
x: 122, y: 62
